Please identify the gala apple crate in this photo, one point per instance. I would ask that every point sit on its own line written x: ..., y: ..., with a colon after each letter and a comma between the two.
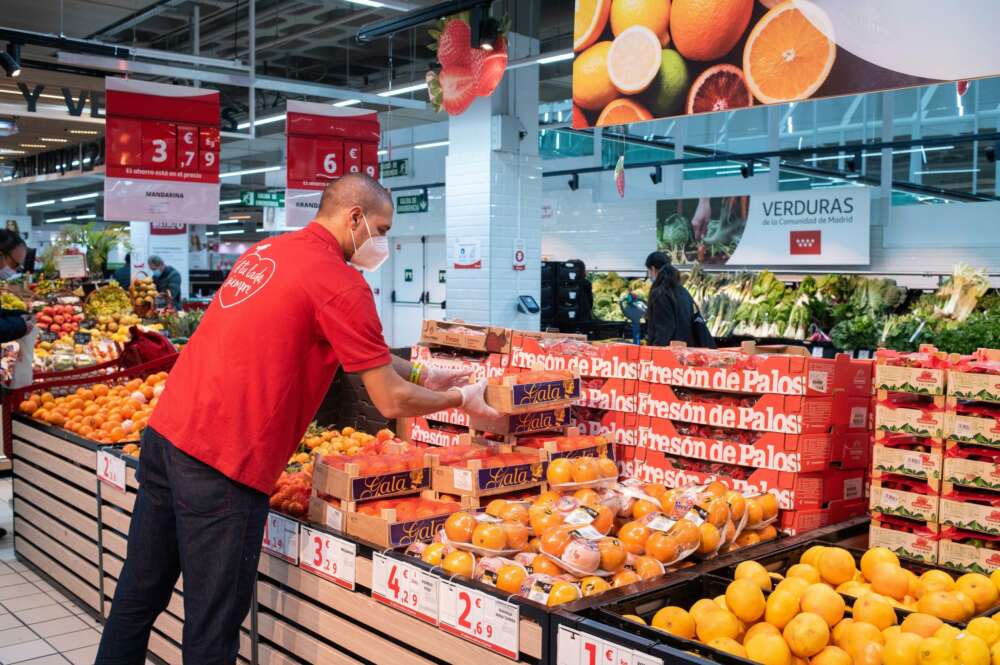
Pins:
x: 386, y: 476
x: 573, y: 354
x: 910, y: 540
x: 518, y: 424
x: 550, y: 390
x: 388, y: 529
x: 468, y: 336
x: 764, y: 450
x: 493, y: 475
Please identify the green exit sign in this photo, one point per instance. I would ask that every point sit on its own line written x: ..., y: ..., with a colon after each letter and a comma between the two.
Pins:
x: 263, y: 199
x: 393, y: 168
x: 411, y: 203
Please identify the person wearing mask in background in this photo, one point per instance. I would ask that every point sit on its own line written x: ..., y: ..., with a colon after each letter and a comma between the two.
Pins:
x: 123, y: 275
x: 167, y: 280
x: 239, y: 399
x: 671, y: 314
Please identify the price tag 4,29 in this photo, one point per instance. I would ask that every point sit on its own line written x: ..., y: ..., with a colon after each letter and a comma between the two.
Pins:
x: 405, y: 587
x: 281, y: 538
x: 328, y: 556
x: 574, y: 647
x: 480, y: 618
x: 111, y: 470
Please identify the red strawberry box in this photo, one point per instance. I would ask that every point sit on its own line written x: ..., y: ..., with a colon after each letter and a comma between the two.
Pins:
x: 784, y: 370
x: 610, y: 361
x: 460, y: 335
x: 421, y: 430
x: 785, y: 414
x: 908, y: 539
x: 763, y: 450
x: 490, y: 366
x: 608, y: 394
x: 794, y: 490
x: 794, y: 522
x: 615, y: 426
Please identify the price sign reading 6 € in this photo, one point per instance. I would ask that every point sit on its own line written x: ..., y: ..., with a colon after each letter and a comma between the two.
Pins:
x: 281, y: 538
x: 405, y: 587
x: 574, y: 647
x: 480, y: 618
x: 327, y: 556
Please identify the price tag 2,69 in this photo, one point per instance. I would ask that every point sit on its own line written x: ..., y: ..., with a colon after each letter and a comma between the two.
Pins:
x: 480, y: 618
x: 577, y: 648
x: 281, y: 538
x: 405, y: 587
x: 111, y: 470
x: 327, y: 556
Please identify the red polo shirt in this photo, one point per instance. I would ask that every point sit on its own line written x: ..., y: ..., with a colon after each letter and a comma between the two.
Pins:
x: 249, y: 382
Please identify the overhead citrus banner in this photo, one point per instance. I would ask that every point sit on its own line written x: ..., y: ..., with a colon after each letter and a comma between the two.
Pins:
x: 642, y: 59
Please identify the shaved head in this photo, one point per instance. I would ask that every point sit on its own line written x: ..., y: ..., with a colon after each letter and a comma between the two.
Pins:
x: 354, y: 208
x: 354, y: 189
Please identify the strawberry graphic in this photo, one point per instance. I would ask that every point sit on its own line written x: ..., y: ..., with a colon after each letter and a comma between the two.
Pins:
x: 454, y: 42
x: 454, y: 89
x: 488, y: 67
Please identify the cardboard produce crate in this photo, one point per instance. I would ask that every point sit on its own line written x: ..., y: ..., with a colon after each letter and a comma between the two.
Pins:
x: 468, y: 336
x: 972, y: 552
x: 977, y: 468
x: 908, y: 539
x: 387, y: 530
x: 927, y: 423
x: 608, y: 394
x: 512, y: 397
x: 421, y: 430
x: 904, y: 460
x: 904, y: 497
x: 352, y: 484
x: 971, y: 510
x: 550, y: 352
x: 614, y: 426
x: 529, y: 422
x: 475, y: 479
x: 482, y: 366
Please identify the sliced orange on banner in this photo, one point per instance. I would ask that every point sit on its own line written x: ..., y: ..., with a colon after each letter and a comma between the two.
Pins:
x: 589, y: 21
x: 634, y: 59
x: 789, y: 53
x: 623, y: 112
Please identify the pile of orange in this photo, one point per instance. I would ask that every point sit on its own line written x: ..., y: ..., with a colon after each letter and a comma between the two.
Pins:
x: 565, y: 470
x: 101, y: 413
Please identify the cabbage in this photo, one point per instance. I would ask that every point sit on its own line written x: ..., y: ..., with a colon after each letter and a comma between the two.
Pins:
x: 675, y: 231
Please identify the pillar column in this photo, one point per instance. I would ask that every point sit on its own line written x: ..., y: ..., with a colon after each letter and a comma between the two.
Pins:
x: 493, y: 201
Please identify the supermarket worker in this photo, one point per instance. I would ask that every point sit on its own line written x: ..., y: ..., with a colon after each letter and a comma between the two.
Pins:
x: 292, y: 311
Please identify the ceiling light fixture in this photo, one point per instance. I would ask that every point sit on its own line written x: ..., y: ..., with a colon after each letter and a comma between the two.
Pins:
x: 38, y: 204
x: 559, y: 57
x: 433, y: 144
x: 82, y: 132
x: 402, y: 91
x: 229, y: 233
x: 85, y: 217
x: 10, y: 60
x: 32, y: 145
x: 56, y: 220
x: 347, y: 102
x: 46, y: 139
x: 945, y: 171
x: 229, y: 202
x: 80, y: 197
x: 236, y: 174
x: 262, y: 121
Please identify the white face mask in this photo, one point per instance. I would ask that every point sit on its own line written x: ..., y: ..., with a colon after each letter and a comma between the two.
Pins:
x: 372, y: 253
x: 7, y: 273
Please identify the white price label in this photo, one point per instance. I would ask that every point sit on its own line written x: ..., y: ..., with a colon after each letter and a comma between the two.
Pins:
x: 577, y: 648
x: 481, y: 618
x: 281, y: 537
x: 817, y: 352
x: 327, y: 556
x: 963, y: 428
x: 462, y: 479
x: 405, y: 587
x: 111, y: 470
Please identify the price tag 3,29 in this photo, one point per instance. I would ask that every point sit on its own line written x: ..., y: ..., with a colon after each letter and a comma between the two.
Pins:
x: 574, y: 647
x: 281, y: 538
x: 405, y: 587
x: 327, y: 556
x: 480, y: 618
x: 111, y: 470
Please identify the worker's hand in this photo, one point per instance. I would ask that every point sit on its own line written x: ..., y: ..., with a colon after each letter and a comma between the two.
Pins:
x: 436, y: 378
x: 702, y: 216
x: 474, y: 400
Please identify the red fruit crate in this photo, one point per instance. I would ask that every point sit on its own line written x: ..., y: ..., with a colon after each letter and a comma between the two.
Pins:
x: 612, y: 361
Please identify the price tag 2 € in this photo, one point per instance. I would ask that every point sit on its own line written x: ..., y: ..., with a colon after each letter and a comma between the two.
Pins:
x: 574, y: 647
x: 480, y: 618
x: 111, y: 470
x: 281, y: 538
x: 405, y: 587
x: 327, y: 556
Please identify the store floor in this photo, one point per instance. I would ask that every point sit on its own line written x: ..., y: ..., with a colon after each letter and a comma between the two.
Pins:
x: 38, y: 624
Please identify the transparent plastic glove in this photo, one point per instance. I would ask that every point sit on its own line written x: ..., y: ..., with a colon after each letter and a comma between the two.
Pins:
x: 474, y: 400
x: 435, y: 378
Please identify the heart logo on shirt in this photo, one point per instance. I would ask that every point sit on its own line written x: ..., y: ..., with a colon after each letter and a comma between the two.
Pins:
x: 250, y: 274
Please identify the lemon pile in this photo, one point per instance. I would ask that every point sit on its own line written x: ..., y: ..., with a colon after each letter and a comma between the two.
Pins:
x: 804, y: 617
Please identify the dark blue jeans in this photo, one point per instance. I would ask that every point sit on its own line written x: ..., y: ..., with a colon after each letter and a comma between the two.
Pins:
x: 191, y: 519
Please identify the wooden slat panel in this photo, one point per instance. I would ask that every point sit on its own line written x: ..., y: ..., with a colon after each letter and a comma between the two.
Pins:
x: 82, y: 501
x: 350, y: 636
x: 86, y: 480
x: 130, y: 480
x: 112, y: 565
x: 406, y: 629
x: 113, y: 542
x: 85, y: 524
x: 116, y: 519
x: 164, y: 648
x: 268, y: 655
x: 87, y: 594
x: 62, y: 447
x: 124, y: 500
x: 47, y: 534
x: 300, y: 644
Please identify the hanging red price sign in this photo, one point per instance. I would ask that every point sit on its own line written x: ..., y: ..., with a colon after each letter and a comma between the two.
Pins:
x: 327, y: 556
x: 405, y: 587
x: 324, y: 143
x: 162, y: 146
x: 281, y: 538
x: 111, y: 470
x: 574, y: 647
x: 479, y: 617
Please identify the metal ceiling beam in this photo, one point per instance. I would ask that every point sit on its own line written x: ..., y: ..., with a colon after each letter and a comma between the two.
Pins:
x: 233, y: 79
x: 136, y: 18
x: 391, y: 26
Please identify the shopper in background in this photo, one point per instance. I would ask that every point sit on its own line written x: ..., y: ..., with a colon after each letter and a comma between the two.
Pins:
x: 167, y: 280
x: 292, y: 310
x: 671, y: 314
x: 123, y: 275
